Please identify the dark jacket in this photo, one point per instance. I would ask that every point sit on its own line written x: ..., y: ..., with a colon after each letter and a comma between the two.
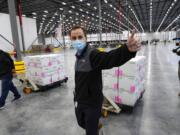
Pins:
x: 6, y: 64
x: 88, y: 72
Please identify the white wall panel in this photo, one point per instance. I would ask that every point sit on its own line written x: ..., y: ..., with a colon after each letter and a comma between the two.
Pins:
x: 30, y: 31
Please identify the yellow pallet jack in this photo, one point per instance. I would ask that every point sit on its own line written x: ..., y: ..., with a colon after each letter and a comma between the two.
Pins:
x: 29, y: 86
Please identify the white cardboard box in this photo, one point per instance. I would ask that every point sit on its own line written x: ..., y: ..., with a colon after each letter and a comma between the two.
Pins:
x: 45, y: 69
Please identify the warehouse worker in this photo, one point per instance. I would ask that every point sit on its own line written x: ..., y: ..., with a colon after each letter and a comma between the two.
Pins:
x: 7, y: 71
x: 178, y: 53
x: 90, y: 62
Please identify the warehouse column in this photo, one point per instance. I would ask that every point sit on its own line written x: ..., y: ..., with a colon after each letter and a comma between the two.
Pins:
x: 100, y: 24
x: 21, y: 23
x: 14, y: 27
x: 62, y: 26
x: 127, y: 11
x: 41, y: 39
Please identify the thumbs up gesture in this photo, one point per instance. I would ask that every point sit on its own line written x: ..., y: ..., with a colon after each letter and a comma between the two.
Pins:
x: 133, y: 43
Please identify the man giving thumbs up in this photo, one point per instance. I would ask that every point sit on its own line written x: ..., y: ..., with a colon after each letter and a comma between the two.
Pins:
x: 90, y: 62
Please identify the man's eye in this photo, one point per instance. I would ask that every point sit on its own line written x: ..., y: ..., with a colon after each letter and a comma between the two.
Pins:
x: 80, y: 37
x: 73, y: 38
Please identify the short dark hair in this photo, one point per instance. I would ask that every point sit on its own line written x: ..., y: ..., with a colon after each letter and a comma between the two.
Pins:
x: 78, y: 27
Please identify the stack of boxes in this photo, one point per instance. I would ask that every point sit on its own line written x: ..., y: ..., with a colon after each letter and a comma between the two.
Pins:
x: 130, y: 82
x: 45, y: 69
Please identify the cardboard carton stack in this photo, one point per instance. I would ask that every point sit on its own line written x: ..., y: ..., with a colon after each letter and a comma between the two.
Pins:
x: 45, y: 69
x: 130, y: 81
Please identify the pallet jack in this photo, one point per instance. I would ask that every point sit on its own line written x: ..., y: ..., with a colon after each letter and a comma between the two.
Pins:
x: 30, y: 86
x: 109, y: 106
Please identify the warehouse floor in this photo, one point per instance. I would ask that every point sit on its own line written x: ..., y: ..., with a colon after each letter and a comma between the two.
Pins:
x: 52, y: 112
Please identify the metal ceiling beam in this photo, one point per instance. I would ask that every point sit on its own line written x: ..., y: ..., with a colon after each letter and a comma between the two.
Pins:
x: 143, y: 17
x: 158, y: 16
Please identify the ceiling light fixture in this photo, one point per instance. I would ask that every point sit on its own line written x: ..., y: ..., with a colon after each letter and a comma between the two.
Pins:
x: 64, y: 3
x: 34, y: 13
x: 73, y: 7
x: 173, y: 3
x: 172, y: 22
x: 45, y: 11
x: 61, y: 9
x: 150, y: 16
x: 135, y: 17
x: 105, y: 1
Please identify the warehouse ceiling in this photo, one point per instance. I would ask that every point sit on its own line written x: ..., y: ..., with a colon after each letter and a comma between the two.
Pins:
x: 117, y: 15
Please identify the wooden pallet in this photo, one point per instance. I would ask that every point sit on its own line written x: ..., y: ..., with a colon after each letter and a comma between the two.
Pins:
x: 30, y: 86
x: 109, y: 106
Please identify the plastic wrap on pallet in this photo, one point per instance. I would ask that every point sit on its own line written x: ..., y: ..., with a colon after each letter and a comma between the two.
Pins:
x: 45, y: 69
x: 131, y: 81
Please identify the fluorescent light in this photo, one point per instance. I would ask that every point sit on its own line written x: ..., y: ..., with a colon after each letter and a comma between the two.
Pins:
x: 88, y: 4
x: 95, y: 8
x: 34, y: 17
x: 105, y: 1
x: 44, y: 15
x: 34, y: 13
x: 61, y: 8
x: 80, y: 9
x: 24, y: 15
x: 73, y: 6
x: 173, y: 3
x: 64, y: 3
x: 70, y: 11
x: 45, y: 11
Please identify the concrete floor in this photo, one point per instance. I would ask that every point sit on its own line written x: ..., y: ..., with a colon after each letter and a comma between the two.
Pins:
x: 52, y: 112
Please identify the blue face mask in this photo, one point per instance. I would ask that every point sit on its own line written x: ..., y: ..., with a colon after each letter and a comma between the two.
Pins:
x: 78, y: 44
